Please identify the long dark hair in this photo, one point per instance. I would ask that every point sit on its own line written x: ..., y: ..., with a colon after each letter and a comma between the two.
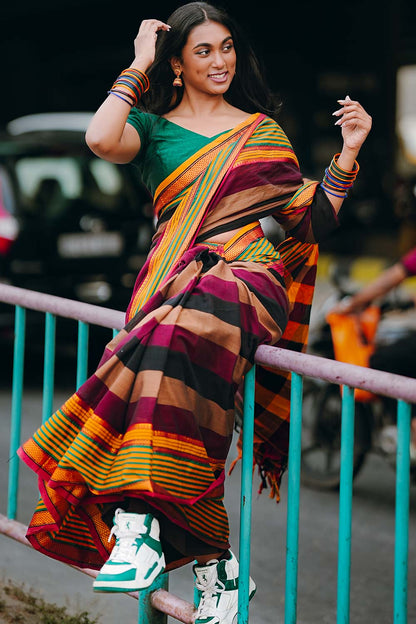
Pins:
x: 248, y: 90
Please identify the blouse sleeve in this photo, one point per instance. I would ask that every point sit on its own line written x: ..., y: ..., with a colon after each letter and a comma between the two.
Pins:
x: 142, y: 123
x: 318, y: 220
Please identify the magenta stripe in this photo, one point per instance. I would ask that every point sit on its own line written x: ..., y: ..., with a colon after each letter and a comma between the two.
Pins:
x: 248, y: 177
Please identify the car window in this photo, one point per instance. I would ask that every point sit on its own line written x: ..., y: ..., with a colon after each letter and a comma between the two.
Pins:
x: 52, y: 184
x: 31, y: 172
x: 106, y: 176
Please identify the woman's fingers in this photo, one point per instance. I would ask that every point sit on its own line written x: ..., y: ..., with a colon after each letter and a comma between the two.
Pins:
x: 152, y: 25
x: 351, y: 111
x: 145, y: 41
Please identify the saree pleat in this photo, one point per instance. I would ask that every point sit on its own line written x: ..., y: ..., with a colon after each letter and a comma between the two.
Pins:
x: 154, y: 423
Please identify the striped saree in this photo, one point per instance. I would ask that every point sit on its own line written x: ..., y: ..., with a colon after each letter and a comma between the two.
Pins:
x: 153, y: 425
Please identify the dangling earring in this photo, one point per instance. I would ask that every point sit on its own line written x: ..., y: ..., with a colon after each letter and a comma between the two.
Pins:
x: 178, y: 80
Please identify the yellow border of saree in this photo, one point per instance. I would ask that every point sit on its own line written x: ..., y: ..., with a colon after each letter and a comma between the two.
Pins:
x: 201, y: 175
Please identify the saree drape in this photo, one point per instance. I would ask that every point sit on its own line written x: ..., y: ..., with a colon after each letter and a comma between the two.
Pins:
x: 155, y: 421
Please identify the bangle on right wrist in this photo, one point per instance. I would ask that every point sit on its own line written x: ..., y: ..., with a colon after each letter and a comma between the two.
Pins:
x: 131, y: 83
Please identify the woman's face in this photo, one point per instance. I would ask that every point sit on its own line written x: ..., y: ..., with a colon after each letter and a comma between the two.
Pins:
x: 208, y: 59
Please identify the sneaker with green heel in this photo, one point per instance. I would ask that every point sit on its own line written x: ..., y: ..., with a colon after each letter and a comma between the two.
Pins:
x: 136, y: 559
x: 217, y: 584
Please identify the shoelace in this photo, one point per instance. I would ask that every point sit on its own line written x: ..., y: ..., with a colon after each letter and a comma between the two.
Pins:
x: 210, y: 590
x: 122, y: 550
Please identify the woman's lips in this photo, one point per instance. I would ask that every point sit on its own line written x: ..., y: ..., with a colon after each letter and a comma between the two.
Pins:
x: 219, y: 76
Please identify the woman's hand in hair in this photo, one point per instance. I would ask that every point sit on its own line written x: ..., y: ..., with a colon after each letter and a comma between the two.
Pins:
x: 145, y: 43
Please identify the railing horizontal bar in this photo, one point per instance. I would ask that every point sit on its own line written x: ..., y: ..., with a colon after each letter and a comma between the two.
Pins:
x: 69, y: 308
x: 375, y: 381
x: 379, y: 382
x: 164, y: 601
x: 173, y: 606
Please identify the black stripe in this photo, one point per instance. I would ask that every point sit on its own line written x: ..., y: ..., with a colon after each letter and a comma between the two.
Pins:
x: 226, y: 311
x: 177, y: 365
x: 247, y: 218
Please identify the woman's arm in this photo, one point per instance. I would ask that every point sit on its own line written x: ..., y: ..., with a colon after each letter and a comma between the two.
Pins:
x: 386, y: 281
x: 108, y: 135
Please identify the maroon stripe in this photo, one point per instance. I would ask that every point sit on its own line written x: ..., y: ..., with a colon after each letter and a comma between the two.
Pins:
x: 215, y: 357
x: 246, y: 177
x: 217, y: 444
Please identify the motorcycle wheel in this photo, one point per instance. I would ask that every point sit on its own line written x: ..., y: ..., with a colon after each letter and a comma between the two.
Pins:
x: 321, y: 436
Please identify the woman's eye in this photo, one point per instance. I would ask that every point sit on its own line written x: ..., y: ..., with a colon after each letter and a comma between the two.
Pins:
x: 203, y: 52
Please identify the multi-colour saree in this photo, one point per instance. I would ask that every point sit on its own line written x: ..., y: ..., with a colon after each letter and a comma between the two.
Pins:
x: 154, y: 423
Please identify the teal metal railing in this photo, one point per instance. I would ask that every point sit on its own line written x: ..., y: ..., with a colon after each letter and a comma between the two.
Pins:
x: 156, y: 603
x: 349, y: 377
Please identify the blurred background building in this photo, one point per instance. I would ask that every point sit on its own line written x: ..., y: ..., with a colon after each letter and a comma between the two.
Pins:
x: 64, y: 56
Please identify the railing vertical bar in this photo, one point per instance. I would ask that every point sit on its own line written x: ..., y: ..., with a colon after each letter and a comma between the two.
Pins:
x: 147, y: 614
x: 246, y: 495
x: 82, y: 353
x: 292, y: 531
x: 48, y: 366
x: 402, y: 512
x: 345, y: 505
x: 16, y: 415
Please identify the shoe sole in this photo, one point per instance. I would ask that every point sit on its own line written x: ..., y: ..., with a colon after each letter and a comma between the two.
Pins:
x: 126, y: 586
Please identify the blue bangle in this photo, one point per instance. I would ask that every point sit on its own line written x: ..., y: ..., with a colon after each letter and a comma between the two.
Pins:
x: 120, y: 97
x: 336, y: 182
x: 334, y: 194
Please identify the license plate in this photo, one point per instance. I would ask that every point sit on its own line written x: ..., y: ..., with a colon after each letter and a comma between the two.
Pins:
x: 87, y: 244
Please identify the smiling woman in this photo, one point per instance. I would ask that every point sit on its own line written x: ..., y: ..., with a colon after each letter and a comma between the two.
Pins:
x: 144, y: 442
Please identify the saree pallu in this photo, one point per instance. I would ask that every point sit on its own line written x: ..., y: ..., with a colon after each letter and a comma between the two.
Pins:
x: 155, y: 421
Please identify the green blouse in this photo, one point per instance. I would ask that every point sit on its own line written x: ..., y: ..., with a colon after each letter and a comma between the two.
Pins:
x: 164, y: 146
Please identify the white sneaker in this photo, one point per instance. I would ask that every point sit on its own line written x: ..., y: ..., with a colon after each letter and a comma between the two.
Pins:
x: 217, y: 585
x: 136, y: 559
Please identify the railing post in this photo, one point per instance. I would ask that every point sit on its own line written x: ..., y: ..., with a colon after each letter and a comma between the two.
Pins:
x: 82, y: 353
x: 49, y: 366
x: 246, y: 495
x: 292, y: 530
x: 345, y: 505
x: 147, y: 614
x: 402, y: 512
x: 16, y: 415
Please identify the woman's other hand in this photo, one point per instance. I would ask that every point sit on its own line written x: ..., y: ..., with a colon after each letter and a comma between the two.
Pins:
x: 355, y: 123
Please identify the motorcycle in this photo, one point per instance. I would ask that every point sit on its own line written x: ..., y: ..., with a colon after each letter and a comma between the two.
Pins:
x: 375, y: 428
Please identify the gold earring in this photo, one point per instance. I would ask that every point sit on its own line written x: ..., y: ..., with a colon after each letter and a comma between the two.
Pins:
x: 178, y: 80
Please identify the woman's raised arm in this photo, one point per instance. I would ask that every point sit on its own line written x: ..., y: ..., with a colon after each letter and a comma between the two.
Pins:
x: 108, y: 135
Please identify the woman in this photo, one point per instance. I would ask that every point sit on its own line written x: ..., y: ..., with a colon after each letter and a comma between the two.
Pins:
x: 146, y: 437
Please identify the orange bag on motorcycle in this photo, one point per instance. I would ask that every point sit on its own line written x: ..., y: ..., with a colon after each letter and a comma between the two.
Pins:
x: 353, y: 339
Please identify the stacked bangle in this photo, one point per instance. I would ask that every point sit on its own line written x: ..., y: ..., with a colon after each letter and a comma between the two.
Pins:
x: 130, y: 86
x: 336, y: 180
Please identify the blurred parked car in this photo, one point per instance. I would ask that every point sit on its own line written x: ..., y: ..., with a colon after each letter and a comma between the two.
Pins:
x: 71, y: 224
